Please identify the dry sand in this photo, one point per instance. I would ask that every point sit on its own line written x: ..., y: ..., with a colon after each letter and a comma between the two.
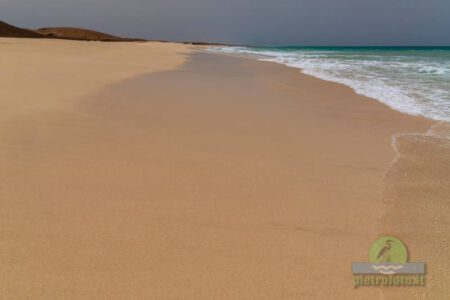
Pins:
x: 222, y: 178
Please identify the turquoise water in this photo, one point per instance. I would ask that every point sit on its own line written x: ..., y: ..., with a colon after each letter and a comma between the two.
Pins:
x: 414, y: 80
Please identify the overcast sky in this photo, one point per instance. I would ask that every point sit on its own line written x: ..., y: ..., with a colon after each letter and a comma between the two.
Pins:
x: 259, y: 22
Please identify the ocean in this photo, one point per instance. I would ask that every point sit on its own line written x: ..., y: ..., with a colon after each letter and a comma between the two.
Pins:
x: 413, y: 80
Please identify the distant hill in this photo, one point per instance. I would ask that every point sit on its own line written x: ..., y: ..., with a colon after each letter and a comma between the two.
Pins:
x: 69, y: 33
x: 7, y: 30
x: 72, y: 33
x: 80, y: 34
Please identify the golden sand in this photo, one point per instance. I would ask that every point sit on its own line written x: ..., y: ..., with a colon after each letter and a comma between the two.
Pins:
x: 218, y: 178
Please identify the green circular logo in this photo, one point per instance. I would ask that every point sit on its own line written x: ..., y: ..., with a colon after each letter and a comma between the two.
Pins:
x: 388, y: 249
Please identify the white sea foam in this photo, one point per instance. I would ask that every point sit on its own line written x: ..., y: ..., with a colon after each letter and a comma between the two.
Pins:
x: 415, y: 82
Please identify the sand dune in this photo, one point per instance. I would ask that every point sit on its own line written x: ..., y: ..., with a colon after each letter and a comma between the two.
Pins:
x: 81, y: 34
x: 69, y: 33
x: 7, y: 30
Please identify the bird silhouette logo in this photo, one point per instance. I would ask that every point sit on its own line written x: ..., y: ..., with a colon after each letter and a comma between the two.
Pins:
x: 383, y: 255
x: 388, y: 255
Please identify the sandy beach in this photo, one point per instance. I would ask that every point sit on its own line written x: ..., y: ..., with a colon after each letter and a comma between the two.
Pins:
x: 162, y: 171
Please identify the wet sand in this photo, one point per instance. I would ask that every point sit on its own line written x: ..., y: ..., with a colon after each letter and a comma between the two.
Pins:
x: 222, y: 177
x: 417, y: 207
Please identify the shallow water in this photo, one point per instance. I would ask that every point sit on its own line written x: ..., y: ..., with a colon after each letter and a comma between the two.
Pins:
x: 414, y: 80
x: 416, y: 199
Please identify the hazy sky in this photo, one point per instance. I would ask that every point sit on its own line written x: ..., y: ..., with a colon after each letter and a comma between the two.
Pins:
x: 262, y: 22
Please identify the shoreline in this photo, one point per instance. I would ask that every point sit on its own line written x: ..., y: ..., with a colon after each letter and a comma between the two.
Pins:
x: 424, y: 242
x: 301, y: 70
x: 216, y: 177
